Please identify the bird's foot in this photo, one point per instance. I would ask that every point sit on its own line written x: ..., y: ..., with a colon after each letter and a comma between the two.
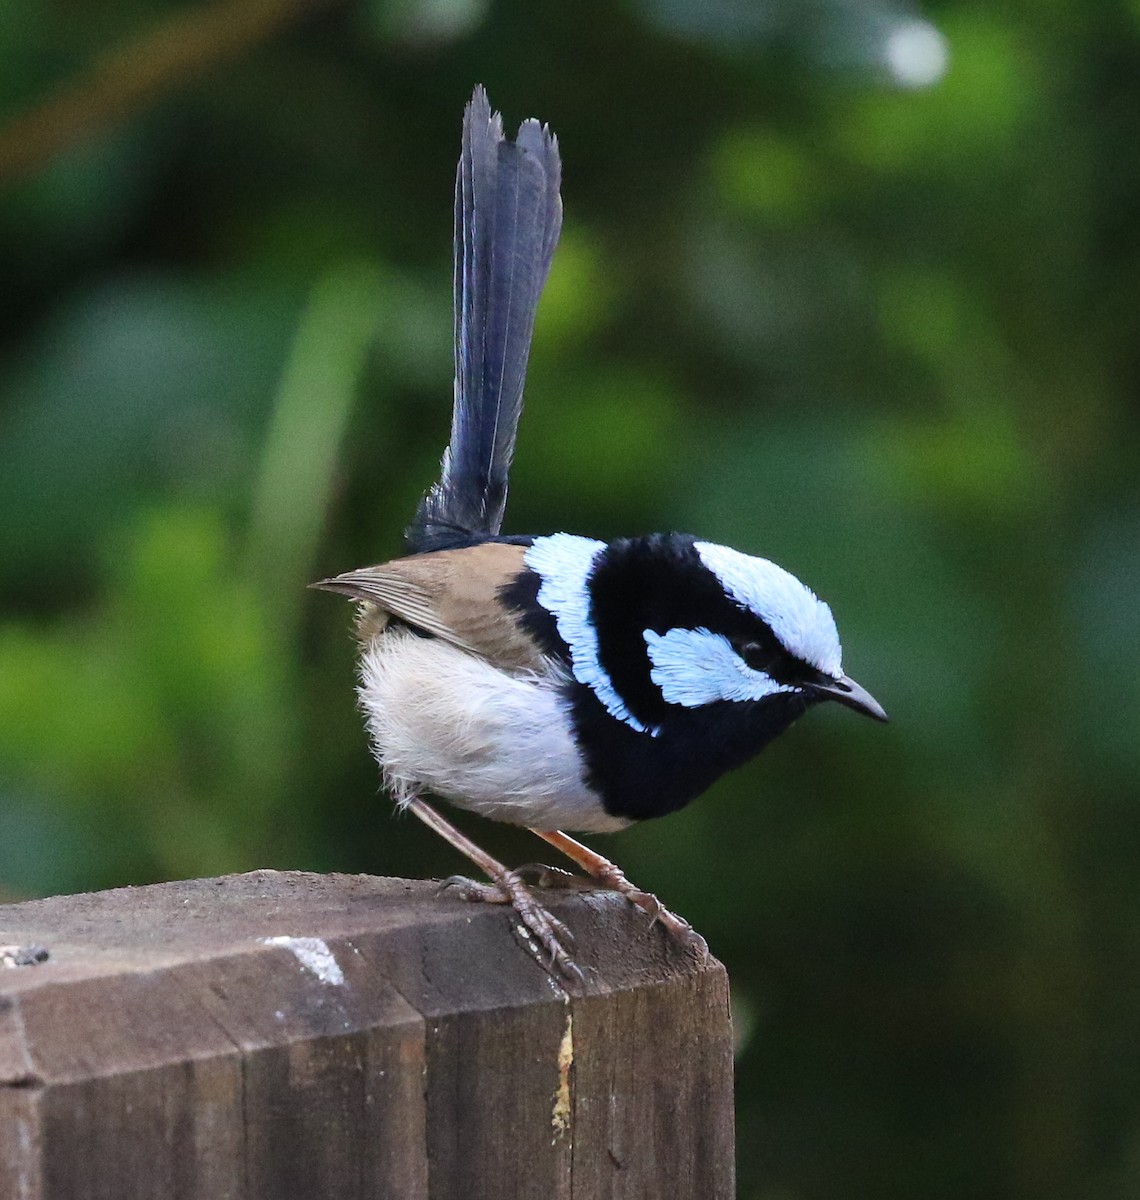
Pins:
x: 541, y: 876
x: 474, y: 890
x: 547, y: 930
x: 676, y: 927
x: 533, y: 874
x: 612, y: 877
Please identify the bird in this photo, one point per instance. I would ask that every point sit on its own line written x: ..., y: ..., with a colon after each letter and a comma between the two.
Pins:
x: 557, y: 681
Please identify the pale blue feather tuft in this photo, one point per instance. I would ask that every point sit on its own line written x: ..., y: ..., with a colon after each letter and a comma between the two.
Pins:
x: 800, y: 620
x: 695, y: 666
x: 563, y: 561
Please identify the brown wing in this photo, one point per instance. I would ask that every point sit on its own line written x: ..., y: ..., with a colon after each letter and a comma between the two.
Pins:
x: 453, y: 595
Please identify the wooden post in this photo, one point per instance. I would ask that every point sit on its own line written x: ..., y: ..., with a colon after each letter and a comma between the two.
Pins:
x: 286, y: 1035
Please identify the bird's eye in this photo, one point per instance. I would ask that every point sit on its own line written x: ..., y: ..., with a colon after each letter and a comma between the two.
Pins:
x: 757, y: 656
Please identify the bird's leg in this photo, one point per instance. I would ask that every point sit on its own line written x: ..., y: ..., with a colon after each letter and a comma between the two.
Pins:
x: 611, y: 876
x: 507, y: 888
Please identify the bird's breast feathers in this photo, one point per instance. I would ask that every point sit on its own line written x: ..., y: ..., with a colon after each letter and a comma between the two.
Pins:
x: 494, y: 742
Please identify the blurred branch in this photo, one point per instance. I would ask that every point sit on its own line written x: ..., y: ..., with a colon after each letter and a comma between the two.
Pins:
x: 153, y: 65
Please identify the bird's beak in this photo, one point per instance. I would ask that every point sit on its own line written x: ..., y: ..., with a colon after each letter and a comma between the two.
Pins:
x: 848, y: 692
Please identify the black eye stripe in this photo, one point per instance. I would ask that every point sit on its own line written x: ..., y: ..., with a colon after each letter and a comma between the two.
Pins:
x: 768, y: 655
x: 758, y: 656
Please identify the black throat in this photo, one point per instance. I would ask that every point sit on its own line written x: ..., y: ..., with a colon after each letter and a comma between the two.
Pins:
x: 641, y: 775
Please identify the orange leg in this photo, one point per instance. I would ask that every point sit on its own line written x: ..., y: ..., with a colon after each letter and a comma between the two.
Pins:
x: 611, y: 876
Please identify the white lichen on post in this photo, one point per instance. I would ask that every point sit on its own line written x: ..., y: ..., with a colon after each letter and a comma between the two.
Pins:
x: 313, y: 954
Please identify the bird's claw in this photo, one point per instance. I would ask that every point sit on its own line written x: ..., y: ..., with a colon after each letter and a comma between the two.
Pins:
x: 474, y: 890
x: 675, y: 927
x: 544, y: 927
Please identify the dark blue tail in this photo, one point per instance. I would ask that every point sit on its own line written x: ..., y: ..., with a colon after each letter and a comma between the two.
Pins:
x: 508, y: 215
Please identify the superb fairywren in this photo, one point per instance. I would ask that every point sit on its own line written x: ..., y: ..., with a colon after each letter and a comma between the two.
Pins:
x: 559, y: 682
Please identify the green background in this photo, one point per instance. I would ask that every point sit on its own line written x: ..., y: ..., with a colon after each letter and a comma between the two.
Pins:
x: 885, y: 335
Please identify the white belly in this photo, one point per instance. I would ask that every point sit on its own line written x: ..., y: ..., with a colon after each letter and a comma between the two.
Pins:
x: 444, y: 721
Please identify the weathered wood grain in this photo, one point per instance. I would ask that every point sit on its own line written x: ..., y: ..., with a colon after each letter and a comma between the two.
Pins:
x: 285, y: 1035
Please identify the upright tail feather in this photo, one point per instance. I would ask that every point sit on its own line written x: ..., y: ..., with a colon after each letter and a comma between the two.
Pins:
x: 508, y: 215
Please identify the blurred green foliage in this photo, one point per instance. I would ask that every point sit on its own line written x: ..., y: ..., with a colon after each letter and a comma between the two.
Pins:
x: 884, y: 334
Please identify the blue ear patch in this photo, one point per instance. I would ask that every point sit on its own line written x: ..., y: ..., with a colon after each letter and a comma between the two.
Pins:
x: 695, y: 666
